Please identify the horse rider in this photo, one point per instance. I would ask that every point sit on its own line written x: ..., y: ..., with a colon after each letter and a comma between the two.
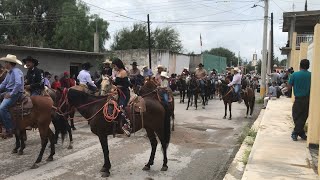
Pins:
x: 201, y: 74
x: 47, y: 77
x: 236, y: 82
x: 146, y: 71
x: 65, y: 80
x: 123, y: 83
x: 135, y: 74
x: 35, y: 76
x: 185, y: 71
x: 13, y: 88
x: 107, y: 70
x: 84, y: 77
x: 158, y: 75
x: 164, y: 87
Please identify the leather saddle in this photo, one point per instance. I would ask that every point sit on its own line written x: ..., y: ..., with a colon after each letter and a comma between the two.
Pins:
x: 138, y: 104
x: 23, y: 106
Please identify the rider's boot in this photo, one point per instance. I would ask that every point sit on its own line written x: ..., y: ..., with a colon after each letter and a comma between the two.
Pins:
x: 126, y: 127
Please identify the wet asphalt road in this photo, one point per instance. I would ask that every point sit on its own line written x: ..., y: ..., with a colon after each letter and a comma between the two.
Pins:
x: 201, y: 147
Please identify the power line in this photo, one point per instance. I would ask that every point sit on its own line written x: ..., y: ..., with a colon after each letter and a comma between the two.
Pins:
x: 278, y: 5
x: 230, y: 20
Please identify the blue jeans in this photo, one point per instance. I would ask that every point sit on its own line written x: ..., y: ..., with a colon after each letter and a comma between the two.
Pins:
x: 202, y: 88
x: 4, y: 111
x: 165, y: 97
x: 35, y: 93
x: 237, y: 88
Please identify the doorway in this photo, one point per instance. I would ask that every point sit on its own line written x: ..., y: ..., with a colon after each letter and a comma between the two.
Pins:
x: 75, y: 69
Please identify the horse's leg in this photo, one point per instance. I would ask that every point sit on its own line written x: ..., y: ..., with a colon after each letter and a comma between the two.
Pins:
x: 52, y: 145
x: 203, y: 101
x: 184, y: 94
x: 44, y: 142
x: 154, y: 143
x: 71, y: 120
x: 22, y: 136
x: 252, y: 106
x: 188, y: 102
x: 107, y: 165
x: 180, y: 96
x: 165, y: 159
x: 225, y: 110
x: 248, y: 107
x: 230, y: 111
x: 16, y: 134
x: 70, y: 136
x: 196, y: 100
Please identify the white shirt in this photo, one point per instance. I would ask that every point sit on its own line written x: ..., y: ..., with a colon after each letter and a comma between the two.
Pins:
x: 236, y: 79
x: 84, y: 77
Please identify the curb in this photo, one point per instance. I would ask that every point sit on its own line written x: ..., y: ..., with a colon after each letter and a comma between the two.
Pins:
x: 237, y: 167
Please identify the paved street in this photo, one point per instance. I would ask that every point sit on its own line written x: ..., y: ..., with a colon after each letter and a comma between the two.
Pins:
x: 200, y: 148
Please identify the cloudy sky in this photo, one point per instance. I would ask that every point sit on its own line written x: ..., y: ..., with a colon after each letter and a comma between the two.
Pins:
x: 233, y: 23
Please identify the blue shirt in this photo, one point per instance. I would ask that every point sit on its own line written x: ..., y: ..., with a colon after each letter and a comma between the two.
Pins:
x: 301, y: 82
x: 272, y: 91
x: 147, y: 73
x: 13, y: 82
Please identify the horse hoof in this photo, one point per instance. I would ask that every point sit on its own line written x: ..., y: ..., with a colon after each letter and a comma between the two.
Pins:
x: 14, y: 151
x: 146, y: 168
x: 49, y: 159
x: 224, y: 117
x: 73, y: 128
x: 164, y: 168
x: 187, y: 109
x: 105, y: 174
x: 34, y: 166
x: 70, y: 147
x: 250, y: 117
x: 20, y: 153
x: 103, y: 169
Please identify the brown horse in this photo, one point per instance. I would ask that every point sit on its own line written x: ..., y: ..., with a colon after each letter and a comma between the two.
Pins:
x: 154, y: 120
x: 248, y: 96
x: 40, y: 117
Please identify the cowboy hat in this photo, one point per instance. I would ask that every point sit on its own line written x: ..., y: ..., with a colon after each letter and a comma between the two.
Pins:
x: 11, y: 58
x: 29, y: 58
x: 200, y: 65
x: 144, y: 67
x: 107, y: 61
x: 160, y: 66
x: 164, y: 74
x: 134, y: 64
x: 86, y: 65
x: 236, y: 69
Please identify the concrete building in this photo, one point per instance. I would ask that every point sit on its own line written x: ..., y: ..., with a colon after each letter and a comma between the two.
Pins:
x: 56, y: 61
x: 300, y: 28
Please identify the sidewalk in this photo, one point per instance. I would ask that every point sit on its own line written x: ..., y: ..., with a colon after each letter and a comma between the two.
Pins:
x: 274, y: 155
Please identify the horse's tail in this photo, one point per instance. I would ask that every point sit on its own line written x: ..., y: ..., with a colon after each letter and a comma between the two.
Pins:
x: 167, y: 126
x: 60, y: 125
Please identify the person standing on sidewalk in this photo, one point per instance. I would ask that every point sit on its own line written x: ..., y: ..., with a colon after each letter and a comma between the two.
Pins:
x: 301, y: 82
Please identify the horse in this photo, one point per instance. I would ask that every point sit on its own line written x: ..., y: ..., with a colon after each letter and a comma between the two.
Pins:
x: 3, y: 74
x: 193, y: 90
x: 226, y: 94
x: 95, y: 109
x: 248, y: 96
x: 182, y: 87
x: 39, y: 117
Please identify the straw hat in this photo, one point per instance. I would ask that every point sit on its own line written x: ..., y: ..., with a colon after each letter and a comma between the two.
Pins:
x: 237, y: 69
x: 11, y: 58
x: 107, y: 61
x: 164, y: 74
x: 160, y: 66
x: 144, y: 67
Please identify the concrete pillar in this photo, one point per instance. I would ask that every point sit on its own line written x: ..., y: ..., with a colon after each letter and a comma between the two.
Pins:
x: 303, y: 51
x: 314, y: 113
x: 293, y: 58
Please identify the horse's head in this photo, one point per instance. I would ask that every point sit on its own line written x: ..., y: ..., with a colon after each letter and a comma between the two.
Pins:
x: 149, y: 86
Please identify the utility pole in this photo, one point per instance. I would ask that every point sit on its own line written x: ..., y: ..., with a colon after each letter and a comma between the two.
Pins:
x: 96, y: 39
x: 271, y: 41
x: 149, y: 34
x: 264, y: 50
x: 239, y: 59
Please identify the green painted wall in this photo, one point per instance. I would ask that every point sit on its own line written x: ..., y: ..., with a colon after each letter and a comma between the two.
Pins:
x: 214, y: 62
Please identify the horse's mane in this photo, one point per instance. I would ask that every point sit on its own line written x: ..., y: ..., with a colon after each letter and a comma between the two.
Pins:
x: 84, y: 94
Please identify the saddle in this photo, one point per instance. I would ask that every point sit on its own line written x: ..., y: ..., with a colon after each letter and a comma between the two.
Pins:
x: 22, y: 107
x: 84, y: 88
x: 138, y: 104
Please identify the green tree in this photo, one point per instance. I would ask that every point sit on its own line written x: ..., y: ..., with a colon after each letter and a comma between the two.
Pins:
x: 76, y: 31
x: 137, y: 38
x: 283, y: 62
x: 232, y: 60
x: 167, y: 38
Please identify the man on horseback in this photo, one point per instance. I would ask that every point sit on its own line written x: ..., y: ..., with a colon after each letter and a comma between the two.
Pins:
x: 158, y: 75
x: 135, y: 75
x: 107, y: 70
x: 147, y: 72
x: 236, y: 82
x: 13, y: 88
x: 35, y: 76
x: 201, y: 75
x: 164, y: 87
x: 84, y: 77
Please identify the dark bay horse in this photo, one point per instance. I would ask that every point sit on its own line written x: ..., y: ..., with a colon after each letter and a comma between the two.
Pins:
x: 40, y: 117
x: 182, y: 87
x: 248, y: 96
x: 226, y: 94
x: 193, y: 91
x: 154, y: 120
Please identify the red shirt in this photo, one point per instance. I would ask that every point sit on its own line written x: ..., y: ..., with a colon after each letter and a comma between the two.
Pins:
x: 72, y: 82
x: 56, y: 85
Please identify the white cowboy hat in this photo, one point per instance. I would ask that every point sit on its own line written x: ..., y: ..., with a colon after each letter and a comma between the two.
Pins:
x: 144, y: 67
x: 107, y: 61
x: 159, y: 66
x: 11, y: 58
x: 236, y: 69
x: 164, y: 74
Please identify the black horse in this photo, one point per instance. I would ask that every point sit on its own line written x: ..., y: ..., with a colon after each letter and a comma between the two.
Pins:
x: 182, y: 87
